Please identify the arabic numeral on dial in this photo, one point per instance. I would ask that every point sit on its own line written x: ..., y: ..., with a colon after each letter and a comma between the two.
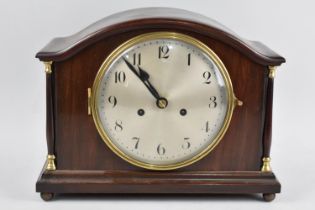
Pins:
x: 136, y: 139
x: 186, y: 144
x: 118, y: 125
x: 136, y: 59
x: 206, y: 75
x: 213, y: 102
x: 160, y: 149
x: 112, y: 100
x: 163, y: 52
x: 120, y: 77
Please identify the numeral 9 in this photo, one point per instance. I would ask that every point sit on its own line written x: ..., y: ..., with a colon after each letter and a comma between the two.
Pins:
x: 112, y: 100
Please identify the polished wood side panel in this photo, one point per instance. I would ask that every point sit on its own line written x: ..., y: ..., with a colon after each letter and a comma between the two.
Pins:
x: 268, y: 120
x: 79, y: 147
x: 156, y: 18
x: 64, y: 181
x: 50, y: 130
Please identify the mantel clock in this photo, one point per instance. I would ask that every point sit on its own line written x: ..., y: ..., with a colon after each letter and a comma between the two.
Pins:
x: 158, y: 100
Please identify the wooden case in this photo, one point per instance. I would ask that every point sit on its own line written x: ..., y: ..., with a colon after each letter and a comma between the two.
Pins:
x: 80, y: 162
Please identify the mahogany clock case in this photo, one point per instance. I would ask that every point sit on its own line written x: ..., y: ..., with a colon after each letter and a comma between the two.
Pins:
x: 80, y: 162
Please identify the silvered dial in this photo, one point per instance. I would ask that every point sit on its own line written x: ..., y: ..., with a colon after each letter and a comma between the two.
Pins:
x: 162, y: 100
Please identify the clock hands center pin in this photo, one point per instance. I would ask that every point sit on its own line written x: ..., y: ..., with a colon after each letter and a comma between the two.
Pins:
x: 143, y: 75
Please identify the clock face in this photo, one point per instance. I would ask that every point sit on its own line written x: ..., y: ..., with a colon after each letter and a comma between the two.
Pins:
x: 162, y: 100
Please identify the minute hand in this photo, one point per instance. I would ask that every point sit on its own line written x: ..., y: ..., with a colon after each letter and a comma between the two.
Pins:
x: 144, y: 77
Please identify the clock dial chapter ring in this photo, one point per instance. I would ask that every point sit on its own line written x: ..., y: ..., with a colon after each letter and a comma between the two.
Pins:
x: 161, y: 102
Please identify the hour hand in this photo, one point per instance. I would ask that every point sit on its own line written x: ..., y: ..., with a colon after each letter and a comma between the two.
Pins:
x: 144, y: 77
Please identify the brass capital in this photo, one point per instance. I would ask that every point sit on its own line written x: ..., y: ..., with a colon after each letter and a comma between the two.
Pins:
x: 48, y: 69
x: 272, y: 72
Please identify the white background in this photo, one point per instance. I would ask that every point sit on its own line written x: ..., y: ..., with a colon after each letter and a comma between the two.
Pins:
x: 26, y: 26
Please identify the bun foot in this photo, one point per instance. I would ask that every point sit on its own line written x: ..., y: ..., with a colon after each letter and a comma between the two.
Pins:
x: 47, y: 196
x: 268, y: 197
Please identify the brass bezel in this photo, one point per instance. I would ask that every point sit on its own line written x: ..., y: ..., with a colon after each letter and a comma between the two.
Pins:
x: 162, y: 35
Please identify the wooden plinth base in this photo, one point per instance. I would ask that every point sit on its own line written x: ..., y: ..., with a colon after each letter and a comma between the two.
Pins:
x: 114, y: 182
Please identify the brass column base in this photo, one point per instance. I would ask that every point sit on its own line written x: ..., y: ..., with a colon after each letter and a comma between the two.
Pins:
x: 51, y: 163
x: 266, y: 164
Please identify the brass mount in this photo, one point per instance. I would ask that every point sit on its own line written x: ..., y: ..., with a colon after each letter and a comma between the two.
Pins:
x: 272, y: 72
x: 237, y: 102
x: 266, y: 164
x: 89, y: 93
x: 51, y: 163
x: 48, y: 69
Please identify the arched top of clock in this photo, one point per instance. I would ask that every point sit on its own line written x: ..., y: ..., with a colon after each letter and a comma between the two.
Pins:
x: 62, y: 48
